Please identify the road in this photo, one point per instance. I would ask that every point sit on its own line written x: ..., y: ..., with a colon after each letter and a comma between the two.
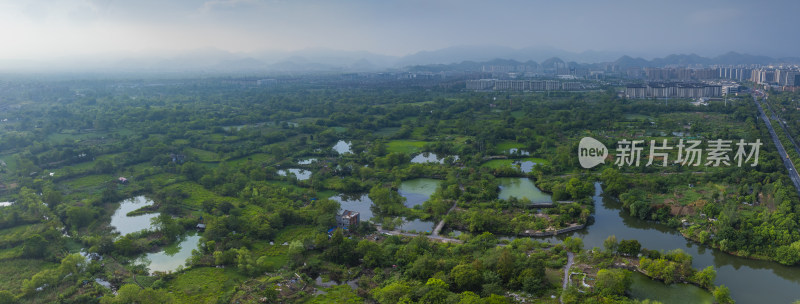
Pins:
x: 783, y: 125
x: 570, y: 258
x: 432, y: 237
x: 786, y: 161
x: 441, y: 223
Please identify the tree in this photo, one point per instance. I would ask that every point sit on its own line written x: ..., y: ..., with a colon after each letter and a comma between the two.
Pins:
x: 613, y: 281
x: 466, y: 277
x: 574, y: 244
x: 788, y: 254
x: 705, y: 277
x: 132, y: 293
x: 78, y: 217
x: 6, y: 297
x: 35, y: 246
x: 506, y: 265
x: 392, y: 293
x: 610, y: 244
x: 629, y: 247
x: 723, y: 295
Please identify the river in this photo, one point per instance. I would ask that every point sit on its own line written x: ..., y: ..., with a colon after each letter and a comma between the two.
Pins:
x: 750, y: 281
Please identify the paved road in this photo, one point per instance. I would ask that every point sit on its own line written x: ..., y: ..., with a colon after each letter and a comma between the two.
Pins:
x: 441, y: 223
x: 570, y: 258
x: 783, y: 126
x: 432, y: 237
x: 786, y: 161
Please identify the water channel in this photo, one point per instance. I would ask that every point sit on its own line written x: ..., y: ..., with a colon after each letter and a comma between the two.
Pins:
x: 750, y: 281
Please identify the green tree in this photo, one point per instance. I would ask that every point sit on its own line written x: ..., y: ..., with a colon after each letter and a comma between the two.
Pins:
x: 132, y: 293
x: 393, y: 293
x: 6, y: 297
x: 35, y: 246
x: 705, y: 277
x: 613, y: 281
x: 629, y: 247
x: 574, y: 244
x: 788, y: 254
x: 610, y: 244
x: 723, y: 295
x: 466, y: 277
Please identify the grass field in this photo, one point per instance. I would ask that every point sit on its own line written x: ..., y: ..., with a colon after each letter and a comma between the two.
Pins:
x: 204, y: 285
x: 503, y: 147
x: 504, y: 163
x: 203, y: 155
x: 197, y: 194
x: 405, y: 146
x: 15, y: 271
x: 88, y: 182
x: 255, y: 158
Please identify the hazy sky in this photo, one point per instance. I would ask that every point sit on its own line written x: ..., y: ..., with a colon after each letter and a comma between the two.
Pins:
x: 36, y: 29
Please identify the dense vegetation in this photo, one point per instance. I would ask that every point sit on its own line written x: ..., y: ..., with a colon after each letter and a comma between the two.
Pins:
x: 212, y: 153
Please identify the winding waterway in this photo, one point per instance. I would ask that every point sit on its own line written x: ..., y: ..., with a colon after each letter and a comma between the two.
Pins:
x: 750, y: 281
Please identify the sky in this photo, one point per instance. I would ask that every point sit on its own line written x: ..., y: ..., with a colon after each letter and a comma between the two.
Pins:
x: 47, y: 29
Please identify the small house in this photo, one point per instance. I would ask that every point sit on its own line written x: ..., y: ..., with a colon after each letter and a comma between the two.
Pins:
x: 348, y: 219
x: 122, y: 180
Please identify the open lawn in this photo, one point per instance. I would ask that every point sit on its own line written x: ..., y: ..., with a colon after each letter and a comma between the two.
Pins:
x: 405, y: 146
x: 504, y: 146
x: 503, y: 163
x: 202, y: 155
x: 204, y: 284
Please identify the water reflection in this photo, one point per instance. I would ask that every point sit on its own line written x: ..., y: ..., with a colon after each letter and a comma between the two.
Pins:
x: 418, y: 190
x: 521, y: 187
x: 172, y: 256
x: 750, y: 281
x: 300, y: 174
x: 125, y: 224
x: 360, y: 203
x: 342, y: 147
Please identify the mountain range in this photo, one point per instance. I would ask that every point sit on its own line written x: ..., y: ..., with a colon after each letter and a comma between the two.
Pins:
x: 326, y: 60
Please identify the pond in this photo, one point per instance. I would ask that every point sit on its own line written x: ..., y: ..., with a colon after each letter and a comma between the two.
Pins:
x: 172, y: 256
x: 342, y: 147
x: 750, y: 281
x: 306, y: 161
x: 645, y: 288
x: 429, y: 157
x: 417, y: 225
x: 516, y: 151
x: 125, y: 224
x: 300, y: 174
x: 418, y: 190
x: 525, y: 166
x: 360, y: 203
x: 522, y: 187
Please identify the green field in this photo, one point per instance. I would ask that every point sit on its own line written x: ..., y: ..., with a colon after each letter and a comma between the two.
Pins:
x: 405, y: 146
x: 14, y: 272
x: 204, y: 285
x: 504, y: 163
x: 203, y: 155
x: 503, y: 147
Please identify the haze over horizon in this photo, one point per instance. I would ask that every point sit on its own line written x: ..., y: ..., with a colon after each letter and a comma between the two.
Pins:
x: 93, y: 29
